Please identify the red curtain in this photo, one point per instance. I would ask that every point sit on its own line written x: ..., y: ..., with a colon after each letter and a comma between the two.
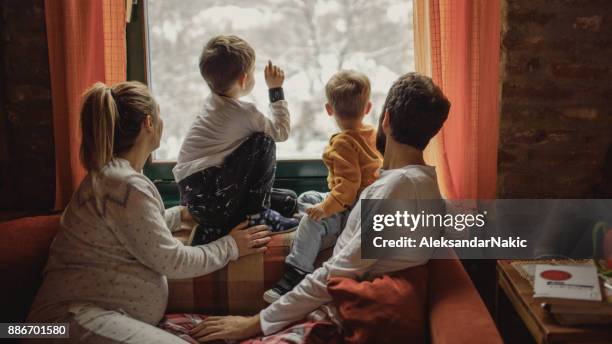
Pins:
x: 458, y: 45
x: 86, y: 42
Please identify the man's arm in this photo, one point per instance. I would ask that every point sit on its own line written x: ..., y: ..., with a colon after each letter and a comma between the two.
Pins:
x: 311, y: 293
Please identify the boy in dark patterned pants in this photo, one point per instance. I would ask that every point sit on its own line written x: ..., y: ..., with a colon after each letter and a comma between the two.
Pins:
x: 221, y: 197
x: 226, y: 164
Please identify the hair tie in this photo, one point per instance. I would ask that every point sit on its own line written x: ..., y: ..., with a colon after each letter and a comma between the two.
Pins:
x: 113, y: 93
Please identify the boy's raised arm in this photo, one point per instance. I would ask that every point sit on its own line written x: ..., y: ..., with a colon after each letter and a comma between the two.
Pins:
x: 279, y: 126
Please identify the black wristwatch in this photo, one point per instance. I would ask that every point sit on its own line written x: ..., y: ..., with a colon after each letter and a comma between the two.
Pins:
x: 276, y: 94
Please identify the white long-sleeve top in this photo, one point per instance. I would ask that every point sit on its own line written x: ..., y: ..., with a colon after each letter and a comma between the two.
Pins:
x: 115, y: 249
x: 410, y: 182
x: 221, y: 127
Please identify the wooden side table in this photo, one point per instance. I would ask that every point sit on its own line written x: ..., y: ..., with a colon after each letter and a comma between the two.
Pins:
x: 541, y: 326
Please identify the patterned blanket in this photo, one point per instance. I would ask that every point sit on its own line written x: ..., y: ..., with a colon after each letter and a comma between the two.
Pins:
x: 302, y: 333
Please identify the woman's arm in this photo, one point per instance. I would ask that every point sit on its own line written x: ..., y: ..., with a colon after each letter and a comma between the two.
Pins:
x: 176, y: 216
x: 141, y: 228
x: 173, y: 217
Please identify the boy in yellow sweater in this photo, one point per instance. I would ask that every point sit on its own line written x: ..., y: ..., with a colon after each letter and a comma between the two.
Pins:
x: 352, y: 162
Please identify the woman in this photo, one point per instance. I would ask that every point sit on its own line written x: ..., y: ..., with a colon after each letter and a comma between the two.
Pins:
x: 108, y: 266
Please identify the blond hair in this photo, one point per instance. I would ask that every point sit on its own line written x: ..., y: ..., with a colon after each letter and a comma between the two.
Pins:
x: 348, y: 93
x: 223, y: 60
x: 111, y: 118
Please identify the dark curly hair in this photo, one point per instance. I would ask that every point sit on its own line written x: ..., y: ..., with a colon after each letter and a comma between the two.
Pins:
x: 417, y: 108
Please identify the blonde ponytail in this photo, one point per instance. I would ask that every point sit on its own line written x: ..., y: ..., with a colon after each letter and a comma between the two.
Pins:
x: 98, y: 117
x: 110, y: 120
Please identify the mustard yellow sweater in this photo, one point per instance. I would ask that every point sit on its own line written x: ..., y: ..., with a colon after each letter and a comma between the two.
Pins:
x: 353, y: 163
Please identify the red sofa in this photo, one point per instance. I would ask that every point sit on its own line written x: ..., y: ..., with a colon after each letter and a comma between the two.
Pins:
x: 456, y: 312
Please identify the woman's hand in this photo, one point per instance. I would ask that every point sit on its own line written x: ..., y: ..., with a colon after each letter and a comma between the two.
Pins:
x: 226, y: 328
x: 251, y: 240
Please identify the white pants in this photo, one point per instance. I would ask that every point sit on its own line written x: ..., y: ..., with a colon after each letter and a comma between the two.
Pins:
x: 92, y: 324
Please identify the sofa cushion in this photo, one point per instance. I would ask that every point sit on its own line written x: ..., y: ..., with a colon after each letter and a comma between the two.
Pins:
x: 388, y: 309
x: 23, y: 253
x: 237, y: 288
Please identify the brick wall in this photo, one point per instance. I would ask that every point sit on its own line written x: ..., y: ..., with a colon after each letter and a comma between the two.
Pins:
x: 556, y: 122
x: 27, y: 167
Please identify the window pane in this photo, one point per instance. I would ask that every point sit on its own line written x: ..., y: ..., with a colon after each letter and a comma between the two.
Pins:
x: 309, y: 39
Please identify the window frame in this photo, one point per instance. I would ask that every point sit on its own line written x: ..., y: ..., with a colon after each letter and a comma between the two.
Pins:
x: 298, y: 175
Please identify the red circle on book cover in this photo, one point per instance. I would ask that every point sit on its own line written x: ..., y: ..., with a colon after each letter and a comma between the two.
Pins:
x: 555, y: 275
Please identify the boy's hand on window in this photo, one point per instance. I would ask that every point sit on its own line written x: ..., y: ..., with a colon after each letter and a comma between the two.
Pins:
x: 316, y: 212
x: 274, y: 75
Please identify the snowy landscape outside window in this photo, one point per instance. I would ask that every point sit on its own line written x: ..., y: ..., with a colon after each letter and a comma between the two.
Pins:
x: 309, y: 39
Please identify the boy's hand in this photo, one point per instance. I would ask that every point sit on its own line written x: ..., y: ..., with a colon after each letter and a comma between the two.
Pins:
x: 316, y: 212
x: 274, y: 75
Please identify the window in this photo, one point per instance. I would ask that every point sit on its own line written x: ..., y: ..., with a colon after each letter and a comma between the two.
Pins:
x: 309, y: 39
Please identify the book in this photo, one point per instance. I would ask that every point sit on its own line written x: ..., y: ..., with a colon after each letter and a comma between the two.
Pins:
x: 585, y: 309
x: 572, y: 294
x: 582, y: 319
x: 526, y: 268
x: 567, y: 285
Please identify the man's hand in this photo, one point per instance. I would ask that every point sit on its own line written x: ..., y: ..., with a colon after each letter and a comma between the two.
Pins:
x: 250, y: 240
x: 226, y: 328
x: 316, y: 212
x: 274, y: 75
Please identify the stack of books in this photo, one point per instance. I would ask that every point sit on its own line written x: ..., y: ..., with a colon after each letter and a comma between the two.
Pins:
x: 573, y: 295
